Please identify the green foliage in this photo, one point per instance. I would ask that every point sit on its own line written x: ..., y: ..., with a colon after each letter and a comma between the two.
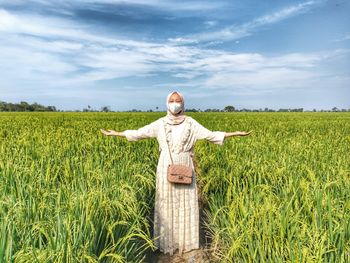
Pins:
x: 24, y: 106
x: 282, y: 193
x: 70, y: 194
x: 229, y: 108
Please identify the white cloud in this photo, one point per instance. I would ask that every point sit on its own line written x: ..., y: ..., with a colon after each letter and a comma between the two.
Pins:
x: 210, y: 23
x: 344, y: 38
x: 265, y: 78
x: 46, y: 27
x: 240, y: 31
x: 282, y: 14
x: 168, y: 5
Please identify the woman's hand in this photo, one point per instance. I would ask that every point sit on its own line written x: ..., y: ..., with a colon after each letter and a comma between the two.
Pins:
x: 109, y: 132
x: 242, y: 133
x: 237, y: 133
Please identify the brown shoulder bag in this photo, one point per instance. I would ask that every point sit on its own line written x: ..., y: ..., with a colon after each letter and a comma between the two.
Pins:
x: 177, y: 173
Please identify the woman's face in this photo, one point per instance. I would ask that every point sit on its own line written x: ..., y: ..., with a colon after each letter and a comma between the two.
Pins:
x: 175, y: 98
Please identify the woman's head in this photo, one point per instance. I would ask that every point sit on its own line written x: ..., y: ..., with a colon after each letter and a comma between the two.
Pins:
x: 175, y: 103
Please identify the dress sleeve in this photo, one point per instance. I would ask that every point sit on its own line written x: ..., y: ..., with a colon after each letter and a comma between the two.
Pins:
x: 148, y: 131
x: 201, y: 132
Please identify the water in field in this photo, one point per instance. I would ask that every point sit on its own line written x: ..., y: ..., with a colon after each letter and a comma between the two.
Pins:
x: 70, y: 194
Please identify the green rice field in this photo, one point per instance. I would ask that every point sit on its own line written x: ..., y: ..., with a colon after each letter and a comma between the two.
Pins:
x: 70, y: 194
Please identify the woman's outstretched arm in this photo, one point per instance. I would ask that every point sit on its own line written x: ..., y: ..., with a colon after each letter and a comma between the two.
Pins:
x: 147, y: 131
x: 112, y: 133
x: 237, y: 133
x: 216, y: 137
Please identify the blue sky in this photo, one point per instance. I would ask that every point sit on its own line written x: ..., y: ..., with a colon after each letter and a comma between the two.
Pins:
x: 131, y: 54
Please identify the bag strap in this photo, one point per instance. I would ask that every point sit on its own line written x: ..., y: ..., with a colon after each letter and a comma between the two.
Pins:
x: 171, y: 158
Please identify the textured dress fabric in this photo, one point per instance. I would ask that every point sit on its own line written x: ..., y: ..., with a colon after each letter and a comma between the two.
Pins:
x: 176, y: 212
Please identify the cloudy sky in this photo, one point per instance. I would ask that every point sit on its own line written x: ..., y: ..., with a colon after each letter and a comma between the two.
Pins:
x: 132, y: 53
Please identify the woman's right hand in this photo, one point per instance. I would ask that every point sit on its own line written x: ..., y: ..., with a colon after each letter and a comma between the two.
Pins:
x: 109, y: 132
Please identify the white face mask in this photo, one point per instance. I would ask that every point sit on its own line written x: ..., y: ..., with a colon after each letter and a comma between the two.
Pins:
x: 175, y: 107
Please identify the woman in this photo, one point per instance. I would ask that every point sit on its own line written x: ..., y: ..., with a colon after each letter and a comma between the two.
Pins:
x: 176, y: 214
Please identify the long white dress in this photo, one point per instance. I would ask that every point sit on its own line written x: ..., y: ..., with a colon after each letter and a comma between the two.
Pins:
x: 176, y: 212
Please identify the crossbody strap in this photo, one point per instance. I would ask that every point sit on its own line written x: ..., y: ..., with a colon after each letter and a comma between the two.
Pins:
x: 171, y: 158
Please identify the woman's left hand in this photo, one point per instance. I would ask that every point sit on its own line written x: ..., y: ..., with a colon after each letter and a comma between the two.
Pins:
x: 243, y: 133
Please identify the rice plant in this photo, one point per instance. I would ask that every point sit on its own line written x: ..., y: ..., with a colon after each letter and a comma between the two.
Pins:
x: 70, y: 194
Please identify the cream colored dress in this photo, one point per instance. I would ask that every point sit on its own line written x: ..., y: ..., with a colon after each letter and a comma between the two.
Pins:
x: 176, y: 212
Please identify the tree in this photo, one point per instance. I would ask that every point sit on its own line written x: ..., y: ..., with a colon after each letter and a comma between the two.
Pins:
x: 25, y: 106
x: 229, y: 108
x: 88, y: 109
x: 51, y: 108
x: 192, y: 110
x: 212, y: 110
x: 105, y: 109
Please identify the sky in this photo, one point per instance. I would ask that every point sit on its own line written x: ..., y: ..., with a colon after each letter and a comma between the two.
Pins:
x: 130, y: 54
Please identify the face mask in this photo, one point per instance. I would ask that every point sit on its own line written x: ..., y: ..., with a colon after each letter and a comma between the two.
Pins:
x: 175, y: 107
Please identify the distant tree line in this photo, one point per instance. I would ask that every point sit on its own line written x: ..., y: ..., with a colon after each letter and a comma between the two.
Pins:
x: 233, y: 109
x: 25, y: 106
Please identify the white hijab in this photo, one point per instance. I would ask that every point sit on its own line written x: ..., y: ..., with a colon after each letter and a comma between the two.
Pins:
x: 178, y: 118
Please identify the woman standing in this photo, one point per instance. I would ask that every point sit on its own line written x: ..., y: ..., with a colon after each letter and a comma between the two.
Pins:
x: 176, y: 214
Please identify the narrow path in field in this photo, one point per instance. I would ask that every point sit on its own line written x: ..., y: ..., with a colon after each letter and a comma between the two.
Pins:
x: 201, y: 255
